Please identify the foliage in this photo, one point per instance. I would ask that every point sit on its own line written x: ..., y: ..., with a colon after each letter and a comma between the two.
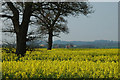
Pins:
x: 62, y: 63
x: 8, y: 50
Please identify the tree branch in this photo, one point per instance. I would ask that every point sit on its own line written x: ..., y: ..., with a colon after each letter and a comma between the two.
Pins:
x: 15, y: 18
x: 56, y: 18
x: 8, y: 30
x: 7, y: 16
x: 12, y: 7
x: 26, y: 15
x: 40, y: 19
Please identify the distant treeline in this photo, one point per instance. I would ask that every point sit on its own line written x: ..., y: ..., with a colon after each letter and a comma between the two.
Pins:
x: 71, y: 44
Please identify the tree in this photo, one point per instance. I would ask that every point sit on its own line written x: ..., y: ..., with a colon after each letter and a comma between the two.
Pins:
x: 28, y: 9
x: 20, y: 28
x: 52, y: 21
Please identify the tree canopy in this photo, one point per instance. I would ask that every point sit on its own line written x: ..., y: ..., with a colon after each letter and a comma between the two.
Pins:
x: 48, y: 15
x: 51, y: 18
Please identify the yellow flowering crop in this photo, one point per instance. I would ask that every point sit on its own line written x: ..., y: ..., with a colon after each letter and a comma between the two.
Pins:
x: 62, y: 63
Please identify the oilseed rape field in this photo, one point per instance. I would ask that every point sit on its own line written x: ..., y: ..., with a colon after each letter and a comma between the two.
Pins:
x: 62, y: 63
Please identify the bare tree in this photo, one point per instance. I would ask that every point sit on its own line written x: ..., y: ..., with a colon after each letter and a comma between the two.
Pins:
x: 49, y: 15
x: 52, y: 17
x: 20, y: 27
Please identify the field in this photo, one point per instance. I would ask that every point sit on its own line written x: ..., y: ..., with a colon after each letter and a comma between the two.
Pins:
x: 62, y: 63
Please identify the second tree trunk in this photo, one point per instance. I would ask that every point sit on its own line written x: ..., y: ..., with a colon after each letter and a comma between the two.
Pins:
x: 50, y: 40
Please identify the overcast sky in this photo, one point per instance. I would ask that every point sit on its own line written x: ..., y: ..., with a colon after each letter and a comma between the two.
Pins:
x: 101, y: 25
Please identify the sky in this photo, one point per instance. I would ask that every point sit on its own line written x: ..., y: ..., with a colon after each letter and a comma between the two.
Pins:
x: 100, y: 25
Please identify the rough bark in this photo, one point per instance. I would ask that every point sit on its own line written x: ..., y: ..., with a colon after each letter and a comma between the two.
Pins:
x: 15, y: 18
x: 23, y: 29
x: 20, y: 29
x: 20, y: 44
x: 50, y: 35
x: 50, y: 40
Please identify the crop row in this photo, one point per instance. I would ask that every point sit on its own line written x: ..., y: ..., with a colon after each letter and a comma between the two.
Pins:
x: 59, y: 69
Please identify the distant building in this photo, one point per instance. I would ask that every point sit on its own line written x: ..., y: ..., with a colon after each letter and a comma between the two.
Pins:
x: 42, y: 45
x: 69, y: 46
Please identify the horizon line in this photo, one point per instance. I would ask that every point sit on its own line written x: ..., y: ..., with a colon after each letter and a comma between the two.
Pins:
x: 86, y: 40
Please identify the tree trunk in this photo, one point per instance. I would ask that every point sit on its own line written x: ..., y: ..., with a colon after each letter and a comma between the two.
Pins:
x: 20, y: 44
x: 50, y: 40
x: 22, y: 30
